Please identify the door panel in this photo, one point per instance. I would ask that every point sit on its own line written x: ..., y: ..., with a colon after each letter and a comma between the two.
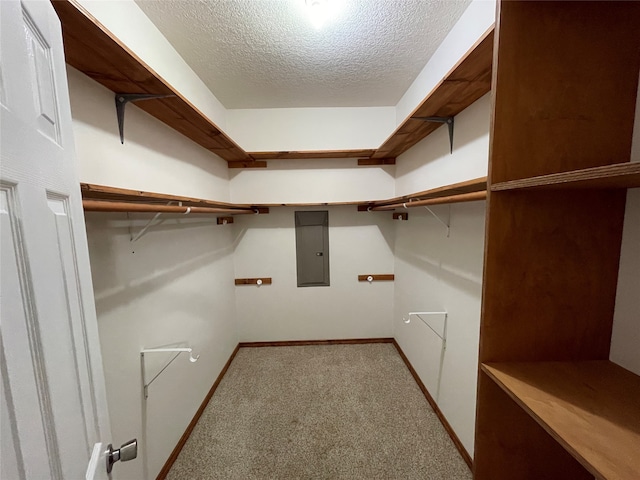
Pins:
x: 312, y: 248
x: 52, y: 380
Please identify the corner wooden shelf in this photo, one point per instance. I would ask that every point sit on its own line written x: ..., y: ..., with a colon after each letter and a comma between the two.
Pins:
x: 618, y: 175
x: 105, y: 194
x: 95, y: 51
x: 465, y: 83
x: 592, y: 408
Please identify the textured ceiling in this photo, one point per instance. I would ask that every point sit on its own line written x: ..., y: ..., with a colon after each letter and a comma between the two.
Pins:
x: 267, y: 54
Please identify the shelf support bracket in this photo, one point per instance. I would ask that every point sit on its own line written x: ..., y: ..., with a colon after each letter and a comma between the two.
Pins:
x: 121, y: 101
x: 177, y: 351
x: 447, y: 223
x: 149, y: 224
x: 447, y: 120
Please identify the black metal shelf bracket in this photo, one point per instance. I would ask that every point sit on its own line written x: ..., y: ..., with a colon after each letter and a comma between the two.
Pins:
x: 447, y: 120
x: 121, y: 101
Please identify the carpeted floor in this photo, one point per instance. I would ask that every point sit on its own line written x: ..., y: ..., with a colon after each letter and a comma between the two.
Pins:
x: 311, y: 412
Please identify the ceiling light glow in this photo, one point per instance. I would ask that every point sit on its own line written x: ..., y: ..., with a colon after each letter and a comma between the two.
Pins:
x: 321, y: 11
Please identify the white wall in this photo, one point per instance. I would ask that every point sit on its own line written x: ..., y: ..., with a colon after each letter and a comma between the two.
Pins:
x: 436, y: 273
x: 625, y: 338
x: 300, y: 129
x: 359, y: 243
x: 312, y: 181
x: 430, y: 164
x: 173, y: 287
x: 153, y: 158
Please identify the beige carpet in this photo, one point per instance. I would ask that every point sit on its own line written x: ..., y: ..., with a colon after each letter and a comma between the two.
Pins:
x: 311, y: 412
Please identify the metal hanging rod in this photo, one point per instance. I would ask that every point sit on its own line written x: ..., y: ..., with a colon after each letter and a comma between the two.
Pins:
x: 178, y: 350
x: 106, y: 206
x: 460, y: 198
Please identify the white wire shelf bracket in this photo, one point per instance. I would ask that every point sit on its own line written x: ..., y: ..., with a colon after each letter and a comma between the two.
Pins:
x: 176, y: 350
x: 441, y: 335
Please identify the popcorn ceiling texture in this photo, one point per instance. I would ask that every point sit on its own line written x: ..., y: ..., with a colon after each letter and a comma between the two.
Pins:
x: 267, y: 54
x: 316, y: 412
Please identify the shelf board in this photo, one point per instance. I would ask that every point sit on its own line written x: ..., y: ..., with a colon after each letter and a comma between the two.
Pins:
x: 618, y: 175
x: 590, y: 407
x: 96, y: 52
x: 460, y: 188
x: 113, y: 194
x: 312, y: 154
x: 465, y: 83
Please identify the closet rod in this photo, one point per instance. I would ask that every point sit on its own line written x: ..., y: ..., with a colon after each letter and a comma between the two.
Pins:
x: 463, y: 197
x: 102, y: 206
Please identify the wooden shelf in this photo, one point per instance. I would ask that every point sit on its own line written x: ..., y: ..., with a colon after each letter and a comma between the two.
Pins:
x: 618, y: 175
x: 591, y: 408
x: 313, y: 154
x: 452, y: 190
x: 137, y: 198
x: 95, y: 51
x: 467, y: 81
x: 92, y: 49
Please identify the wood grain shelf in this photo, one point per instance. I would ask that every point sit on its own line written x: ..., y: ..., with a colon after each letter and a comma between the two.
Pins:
x: 465, y: 83
x: 452, y: 190
x: 312, y: 154
x: 591, y: 408
x: 618, y: 175
x: 113, y: 194
x: 91, y: 48
x: 96, y: 52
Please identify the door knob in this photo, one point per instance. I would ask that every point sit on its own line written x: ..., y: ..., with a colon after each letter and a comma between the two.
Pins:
x: 127, y: 451
x: 319, y: 254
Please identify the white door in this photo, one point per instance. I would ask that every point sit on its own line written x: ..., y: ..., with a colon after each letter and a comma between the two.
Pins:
x: 54, y: 416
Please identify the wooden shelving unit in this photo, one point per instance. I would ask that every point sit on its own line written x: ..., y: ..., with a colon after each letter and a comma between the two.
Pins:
x: 95, y: 51
x: 590, y: 407
x: 550, y: 404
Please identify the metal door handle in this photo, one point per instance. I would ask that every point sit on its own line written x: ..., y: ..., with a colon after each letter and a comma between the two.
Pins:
x: 127, y: 451
x: 319, y: 254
